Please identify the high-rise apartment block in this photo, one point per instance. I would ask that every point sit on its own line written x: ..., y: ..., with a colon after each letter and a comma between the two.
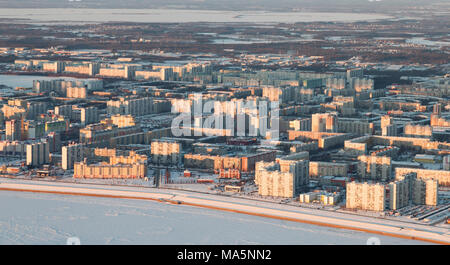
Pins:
x: 355, y: 73
x: 13, y: 130
x: 166, y: 152
x: 71, y: 154
x: 375, y: 167
x: 122, y: 121
x: 365, y: 196
x: 446, y: 162
x: 411, y: 130
x: 408, y: 188
x: 280, y: 94
x: 137, y: 106
x: 300, y: 125
x: 64, y: 110
x: 437, y: 109
x: 324, y: 122
x: 284, y: 178
x: 388, y: 127
x: 89, y: 115
x: 76, y: 92
x: 38, y: 154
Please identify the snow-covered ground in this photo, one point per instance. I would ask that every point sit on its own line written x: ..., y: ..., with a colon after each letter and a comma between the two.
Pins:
x: 30, y: 218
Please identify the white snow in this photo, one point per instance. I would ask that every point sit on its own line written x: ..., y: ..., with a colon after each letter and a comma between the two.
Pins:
x: 173, y: 212
x: 29, y: 218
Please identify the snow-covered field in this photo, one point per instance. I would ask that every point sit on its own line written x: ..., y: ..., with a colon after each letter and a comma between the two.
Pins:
x: 30, y: 218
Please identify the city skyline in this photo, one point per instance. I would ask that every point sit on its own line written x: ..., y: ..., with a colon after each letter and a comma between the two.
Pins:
x: 224, y: 123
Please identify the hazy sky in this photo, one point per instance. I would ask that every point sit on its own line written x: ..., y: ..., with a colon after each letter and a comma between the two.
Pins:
x: 307, y: 5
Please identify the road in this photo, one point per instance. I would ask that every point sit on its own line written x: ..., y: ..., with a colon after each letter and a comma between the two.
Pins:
x: 426, y: 233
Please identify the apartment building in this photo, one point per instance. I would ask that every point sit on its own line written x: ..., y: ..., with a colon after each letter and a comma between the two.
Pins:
x: 38, y: 154
x: 411, y: 130
x: 166, y: 152
x: 283, y: 178
x: 365, y: 196
x: 319, y: 168
x: 408, y: 188
x: 71, y: 154
x: 374, y: 167
x: 324, y: 122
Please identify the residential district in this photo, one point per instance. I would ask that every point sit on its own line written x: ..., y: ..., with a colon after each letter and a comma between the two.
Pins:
x: 332, y: 141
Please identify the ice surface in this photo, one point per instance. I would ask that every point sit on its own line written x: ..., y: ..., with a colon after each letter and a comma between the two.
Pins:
x: 29, y: 218
x: 66, y: 15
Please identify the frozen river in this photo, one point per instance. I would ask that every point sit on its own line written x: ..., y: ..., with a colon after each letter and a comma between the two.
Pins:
x: 26, y: 80
x: 72, y: 15
x: 30, y: 218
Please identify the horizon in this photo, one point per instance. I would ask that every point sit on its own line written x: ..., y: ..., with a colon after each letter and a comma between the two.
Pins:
x: 235, y: 5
